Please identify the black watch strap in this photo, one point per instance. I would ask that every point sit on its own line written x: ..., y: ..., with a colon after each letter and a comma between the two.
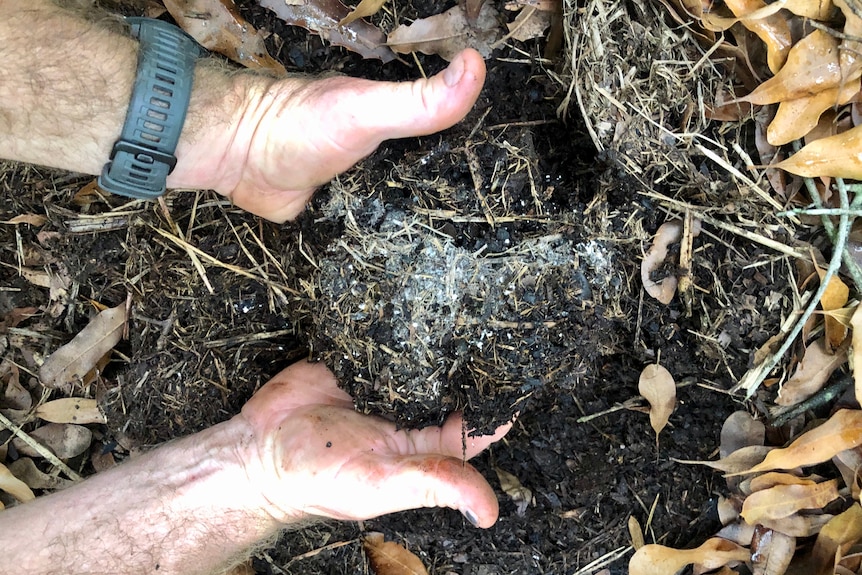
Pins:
x: 144, y: 155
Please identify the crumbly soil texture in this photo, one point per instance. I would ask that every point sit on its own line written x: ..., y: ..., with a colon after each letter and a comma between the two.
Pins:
x: 493, y: 268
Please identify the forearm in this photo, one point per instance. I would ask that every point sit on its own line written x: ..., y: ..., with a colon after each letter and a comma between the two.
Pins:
x: 65, y: 86
x: 185, y: 508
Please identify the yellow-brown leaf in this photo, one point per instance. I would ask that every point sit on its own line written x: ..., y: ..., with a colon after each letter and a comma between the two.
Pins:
x: 836, y: 156
x: 14, y: 486
x: 841, y: 529
x: 661, y: 560
x: 812, y: 372
x: 390, y: 558
x: 71, y: 410
x: 785, y: 500
x: 363, y: 9
x: 856, y: 358
x: 658, y: 388
x: 773, y: 30
x: 796, y: 118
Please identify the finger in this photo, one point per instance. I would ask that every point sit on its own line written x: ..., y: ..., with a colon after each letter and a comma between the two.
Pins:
x: 412, y: 482
x: 453, y: 439
x: 384, y: 110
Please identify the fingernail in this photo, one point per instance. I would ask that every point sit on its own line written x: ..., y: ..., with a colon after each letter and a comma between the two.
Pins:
x: 452, y: 74
x: 471, y: 517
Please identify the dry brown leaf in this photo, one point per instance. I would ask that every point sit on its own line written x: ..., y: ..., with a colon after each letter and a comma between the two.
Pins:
x: 661, y: 560
x: 739, y: 532
x: 740, y: 430
x: 812, y: 66
x: 322, y: 17
x: 798, y: 525
x: 657, y: 386
x: 25, y: 469
x: 65, y: 440
x: 363, y: 9
x: 31, y: 219
x: 667, y: 234
x: 71, y: 410
x: 448, y: 33
x: 773, y: 478
x: 842, y: 529
x: 856, y: 357
x: 71, y: 362
x: 512, y: 487
x: 836, y: 156
x: 785, y: 500
x: 14, y: 395
x: 796, y: 118
x: 812, y: 372
x: 528, y: 24
x: 771, y: 552
x: 738, y: 462
x: 841, y: 431
x: 835, y: 297
x: 390, y: 558
x: 14, y: 486
x: 636, y: 533
x: 218, y: 26
x: 773, y: 30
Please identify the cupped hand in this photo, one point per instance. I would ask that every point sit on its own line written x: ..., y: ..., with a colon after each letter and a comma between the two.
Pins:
x: 313, y: 455
x: 293, y: 135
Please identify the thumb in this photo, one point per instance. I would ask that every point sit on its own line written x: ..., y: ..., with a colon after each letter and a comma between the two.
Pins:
x: 425, y: 106
x: 414, y: 481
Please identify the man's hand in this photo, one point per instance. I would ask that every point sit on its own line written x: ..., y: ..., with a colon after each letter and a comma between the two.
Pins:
x: 313, y: 455
x: 288, y: 137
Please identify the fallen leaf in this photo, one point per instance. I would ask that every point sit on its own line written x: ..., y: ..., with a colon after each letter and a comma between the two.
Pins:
x: 636, y: 533
x: 836, y: 157
x: 31, y: 219
x: 390, y: 558
x: 771, y: 552
x: 738, y: 462
x: 812, y: 66
x: 218, y: 27
x: 773, y: 30
x: 812, y: 372
x: 363, y: 9
x: 65, y: 440
x: 798, y: 525
x: 814, y: 9
x: 773, y: 478
x: 322, y: 17
x: 796, y: 118
x: 739, y: 532
x: 660, y: 560
x: 511, y: 486
x: 856, y: 357
x: 840, y: 530
x: 835, y: 297
x: 528, y: 24
x: 657, y: 386
x: 14, y: 486
x: 841, y: 431
x: 14, y: 395
x: 740, y: 430
x: 448, y: 33
x: 71, y: 410
x: 71, y: 362
x: 25, y: 469
x: 667, y: 234
x: 785, y: 500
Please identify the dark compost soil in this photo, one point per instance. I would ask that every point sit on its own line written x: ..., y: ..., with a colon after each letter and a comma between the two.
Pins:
x: 492, y: 268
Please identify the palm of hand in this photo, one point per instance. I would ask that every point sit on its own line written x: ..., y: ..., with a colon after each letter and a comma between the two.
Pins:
x: 317, y: 457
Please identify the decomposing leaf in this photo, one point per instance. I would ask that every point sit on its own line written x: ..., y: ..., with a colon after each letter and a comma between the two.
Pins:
x: 71, y: 410
x: 740, y: 461
x: 322, y: 17
x: 25, y: 469
x: 31, y: 219
x: 812, y: 66
x: 797, y: 525
x: 773, y: 30
x: 796, y: 118
x: 390, y: 558
x: 771, y: 552
x: 841, y: 431
x: 727, y: 509
x: 668, y: 234
x: 528, y: 24
x: 14, y: 486
x: 739, y: 532
x: 448, y: 33
x: 740, y: 430
x: 511, y: 486
x: 364, y: 9
x: 785, y: 500
x: 218, y: 26
x: 840, y: 530
x: 661, y: 560
x: 811, y: 373
x: 657, y: 386
x: 71, y: 362
x: 856, y: 357
x: 835, y: 297
x: 836, y: 156
x: 14, y: 395
x: 65, y: 440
